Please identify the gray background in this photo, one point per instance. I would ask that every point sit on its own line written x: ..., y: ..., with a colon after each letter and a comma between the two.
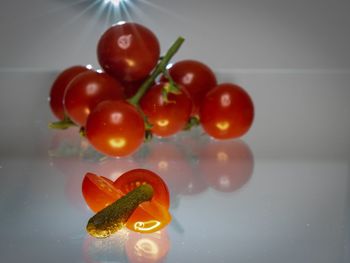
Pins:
x: 293, y: 59
x: 226, y: 34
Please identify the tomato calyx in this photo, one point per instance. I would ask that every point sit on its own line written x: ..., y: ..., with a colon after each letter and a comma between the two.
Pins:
x: 193, y: 121
x: 160, y: 69
x: 170, y: 87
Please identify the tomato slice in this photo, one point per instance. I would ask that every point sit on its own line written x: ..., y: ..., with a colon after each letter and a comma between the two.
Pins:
x: 99, y: 191
x: 149, y: 216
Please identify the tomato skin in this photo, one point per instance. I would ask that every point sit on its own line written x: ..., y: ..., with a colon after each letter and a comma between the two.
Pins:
x: 227, y: 112
x: 59, y: 87
x: 115, y: 128
x: 87, y: 90
x: 196, y: 77
x: 128, y: 51
x: 149, y: 216
x: 167, y: 118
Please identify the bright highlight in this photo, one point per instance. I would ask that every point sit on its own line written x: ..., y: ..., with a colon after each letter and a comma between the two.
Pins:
x: 223, y: 125
x: 113, y: 2
x: 146, y: 226
x: 117, y: 143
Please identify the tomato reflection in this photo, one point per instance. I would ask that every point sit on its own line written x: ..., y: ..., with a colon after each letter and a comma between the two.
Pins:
x: 169, y: 161
x: 110, y: 249
x: 127, y: 246
x: 226, y: 165
x: 72, y: 156
x: 65, y: 153
x: 150, y: 248
x: 112, y: 168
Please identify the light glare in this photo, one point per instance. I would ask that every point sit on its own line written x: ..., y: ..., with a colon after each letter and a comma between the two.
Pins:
x: 113, y: 2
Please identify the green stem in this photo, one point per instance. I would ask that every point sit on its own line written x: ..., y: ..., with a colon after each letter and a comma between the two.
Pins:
x: 62, y: 125
x: 157, y: 71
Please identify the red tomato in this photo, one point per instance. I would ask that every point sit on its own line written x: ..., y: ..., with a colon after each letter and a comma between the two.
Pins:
x: 166, y: 117
x: 59, y: 87
x: 149, y: 216
x: 196, y: 77
x: 87, y: 90
x: 227, y: 112
x: 128, y: 51
x: 99, y: 192
x: 131, y: 88
x: 226, y: 166
x: 115, y: 128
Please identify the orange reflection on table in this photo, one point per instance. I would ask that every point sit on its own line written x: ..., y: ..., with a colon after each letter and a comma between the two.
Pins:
x: 147, y: 248
x: 127, y: 246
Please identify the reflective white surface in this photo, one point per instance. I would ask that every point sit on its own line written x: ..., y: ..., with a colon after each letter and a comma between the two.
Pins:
x: 281, y: 194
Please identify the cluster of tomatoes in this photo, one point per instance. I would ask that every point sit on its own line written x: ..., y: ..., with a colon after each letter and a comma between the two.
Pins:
x: 138, y: 94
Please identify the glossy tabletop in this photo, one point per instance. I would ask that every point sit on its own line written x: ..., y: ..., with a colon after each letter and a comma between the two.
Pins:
x: 279, y: 194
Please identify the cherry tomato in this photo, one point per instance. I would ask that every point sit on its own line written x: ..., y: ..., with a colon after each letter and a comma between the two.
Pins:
x: 226, y: 165
x: 196, y: 77
x: 59, y: 87
x: 86, y: 91
x: 99, y: 192
x: 227, y: 112
x: 149, y: 216
x: 128, y: 51
x: 115, y: 128
x: 166, y: 117
x: 131, y: 87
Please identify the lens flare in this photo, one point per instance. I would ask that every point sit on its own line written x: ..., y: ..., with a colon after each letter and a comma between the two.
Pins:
x: 113, y: 2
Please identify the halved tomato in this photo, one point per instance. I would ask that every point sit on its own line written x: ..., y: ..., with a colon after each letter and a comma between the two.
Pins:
x: 149, y: 216
x: 99, y: 191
